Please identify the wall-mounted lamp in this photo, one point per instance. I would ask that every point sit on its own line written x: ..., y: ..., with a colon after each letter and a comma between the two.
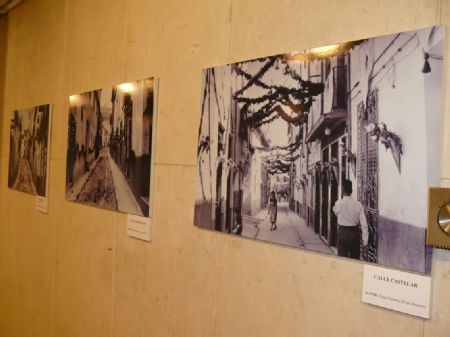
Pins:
x: 327, y: 131
x: 426, y: 65
x: 388, y: 138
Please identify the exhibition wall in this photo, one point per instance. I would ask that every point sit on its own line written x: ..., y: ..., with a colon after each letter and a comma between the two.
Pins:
x: 75, y: 272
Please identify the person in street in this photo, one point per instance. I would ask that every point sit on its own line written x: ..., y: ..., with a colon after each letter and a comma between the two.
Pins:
x: 350, y: 218
x: 273, y: 211
x: 238, y: 219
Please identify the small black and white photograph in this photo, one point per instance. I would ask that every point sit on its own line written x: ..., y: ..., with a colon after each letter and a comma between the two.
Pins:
x: 109, y: 152
x: 29, y: 150
x: 329, y: 149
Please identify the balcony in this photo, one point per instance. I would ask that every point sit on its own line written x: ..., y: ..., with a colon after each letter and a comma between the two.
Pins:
x: 335, y: 104
x: 330, y: 120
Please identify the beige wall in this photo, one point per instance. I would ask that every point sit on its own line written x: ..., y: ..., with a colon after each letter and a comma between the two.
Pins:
x: 74, y: 272
x: 3, y: 34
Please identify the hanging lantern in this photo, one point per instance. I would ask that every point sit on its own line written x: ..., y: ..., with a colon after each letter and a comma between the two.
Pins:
x: 426, y: 66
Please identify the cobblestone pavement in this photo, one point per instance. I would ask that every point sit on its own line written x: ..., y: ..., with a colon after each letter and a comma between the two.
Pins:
x: 24, y: 180
x: 291, y: 230
x: 99, y: 188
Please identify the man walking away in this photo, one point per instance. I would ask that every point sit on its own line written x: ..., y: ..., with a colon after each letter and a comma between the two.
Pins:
x: 350, y: 214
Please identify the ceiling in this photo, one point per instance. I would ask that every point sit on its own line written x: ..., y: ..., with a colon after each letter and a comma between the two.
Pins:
x: 7, y: 5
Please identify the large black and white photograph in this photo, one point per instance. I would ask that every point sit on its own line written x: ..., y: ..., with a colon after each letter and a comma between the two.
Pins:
x: 328, y: 149
x: 109, y: 152
x: 29, y: 150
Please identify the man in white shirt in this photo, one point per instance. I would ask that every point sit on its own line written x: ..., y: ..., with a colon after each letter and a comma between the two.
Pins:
x: 350, y: 216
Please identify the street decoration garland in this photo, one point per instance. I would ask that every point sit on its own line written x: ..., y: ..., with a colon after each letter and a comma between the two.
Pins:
x: 291, y: 148
x: 249, y: 77
x: 284, y: 159
x: 280, y: 164
x: 204, y: 143
x: 278, y: 167
x: 291, y: 104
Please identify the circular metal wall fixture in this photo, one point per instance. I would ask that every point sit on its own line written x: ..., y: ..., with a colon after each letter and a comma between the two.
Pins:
x: 444, y: 218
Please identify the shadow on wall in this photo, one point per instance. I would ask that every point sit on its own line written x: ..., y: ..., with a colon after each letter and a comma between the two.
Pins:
x: 403, y: 246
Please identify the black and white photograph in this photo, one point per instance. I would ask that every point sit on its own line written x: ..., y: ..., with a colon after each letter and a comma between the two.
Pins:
x: 29, y: 150
x: 329, y: 149
x: 109, y: 152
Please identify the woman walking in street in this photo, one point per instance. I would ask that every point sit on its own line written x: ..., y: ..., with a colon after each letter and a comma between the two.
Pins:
x: 273, y: 211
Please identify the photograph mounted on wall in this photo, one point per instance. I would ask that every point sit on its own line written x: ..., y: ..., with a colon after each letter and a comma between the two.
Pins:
x: 29, y: 150
x: 109, y: 152
x: 329, y: 149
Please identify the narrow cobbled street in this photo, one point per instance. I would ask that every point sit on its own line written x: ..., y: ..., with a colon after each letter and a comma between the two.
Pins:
x: 291, y: 230
x: 24, y: 181
x: 106, y: 186
x: 99, y: 188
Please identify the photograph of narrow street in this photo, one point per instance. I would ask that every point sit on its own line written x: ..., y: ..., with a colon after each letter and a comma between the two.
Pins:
x: 28, y: 150
x: 110, y: 147
x: 329, y: 149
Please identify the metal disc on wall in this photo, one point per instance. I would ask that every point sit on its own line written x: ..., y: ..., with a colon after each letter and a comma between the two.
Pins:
x: 444, y: 218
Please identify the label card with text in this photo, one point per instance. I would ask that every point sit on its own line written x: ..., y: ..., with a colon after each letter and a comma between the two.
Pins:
x: 139, y: 227
x: 397, y: 290
x: 41, y: 204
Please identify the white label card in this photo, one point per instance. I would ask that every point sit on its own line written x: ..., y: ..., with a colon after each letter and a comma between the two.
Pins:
x: 139, y: 227
x: 42, y: 204
x: 397, y: 290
